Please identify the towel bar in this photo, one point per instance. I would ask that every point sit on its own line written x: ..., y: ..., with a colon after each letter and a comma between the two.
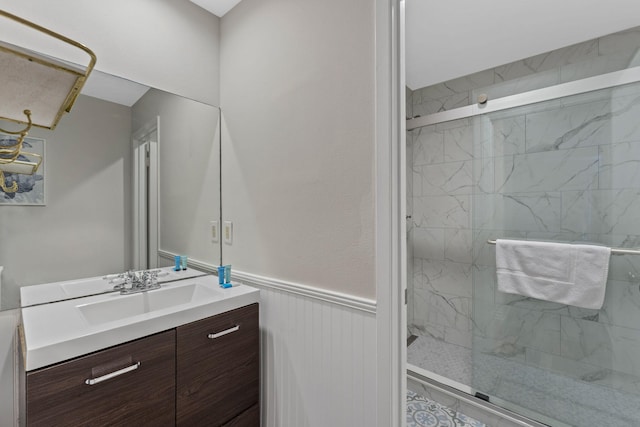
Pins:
x: 614, y: 251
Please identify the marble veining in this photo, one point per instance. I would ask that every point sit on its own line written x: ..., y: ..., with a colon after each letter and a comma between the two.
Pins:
x: 619, y: 165
x: 442, y: 211
x: 614, y: 61
x: 450, y: 178
x: 428, y: 146
x: 568, y: 127
x: 584, y: 124
x: 534, y: 211
x: 600, y: 211
x: 519, y: 326
x: 514, y: 86
x: 453, y: 278
x: 622, y: 41
x: 432, y: 106
x: 428, y: 243
x: 483, y: 175
x: 600, y: 344
x: 457, y: 245
x: 548, y: 60
x: 563, y: 170
x: 442, y: 309
x: 501, y: 136
x: 458, y: 144
x: 566, y: 170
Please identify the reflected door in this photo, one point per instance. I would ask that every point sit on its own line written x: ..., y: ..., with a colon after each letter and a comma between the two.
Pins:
x: 145, y: 195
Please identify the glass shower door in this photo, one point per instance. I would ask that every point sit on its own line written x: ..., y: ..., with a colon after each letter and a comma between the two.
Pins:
x: 566, y: 170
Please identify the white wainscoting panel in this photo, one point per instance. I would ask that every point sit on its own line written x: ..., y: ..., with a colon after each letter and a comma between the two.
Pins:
x: 318, y: 353
x: 318, y: 362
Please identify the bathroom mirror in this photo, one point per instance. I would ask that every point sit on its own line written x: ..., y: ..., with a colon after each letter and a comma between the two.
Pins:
x: 131, y: 177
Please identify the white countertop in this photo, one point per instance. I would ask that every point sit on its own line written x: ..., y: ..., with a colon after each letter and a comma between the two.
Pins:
x: 59, y: 331
x: 59, y: 291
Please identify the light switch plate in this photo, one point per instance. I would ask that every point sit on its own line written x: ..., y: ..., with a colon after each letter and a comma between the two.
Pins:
x: 214, y: 231
x: 228, y: 232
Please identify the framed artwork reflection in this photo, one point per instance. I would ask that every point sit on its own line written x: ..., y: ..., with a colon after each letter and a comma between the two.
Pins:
x: 31, y: 188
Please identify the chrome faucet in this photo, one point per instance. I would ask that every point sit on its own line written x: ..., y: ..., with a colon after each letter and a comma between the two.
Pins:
x: 136, y: 281
x: 114, y: 279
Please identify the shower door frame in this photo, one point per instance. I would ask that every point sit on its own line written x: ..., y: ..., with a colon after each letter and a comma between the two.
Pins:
x: 590, y: 84
x: 577, y: 87
x: 390, y: 198
x: 390, y: 208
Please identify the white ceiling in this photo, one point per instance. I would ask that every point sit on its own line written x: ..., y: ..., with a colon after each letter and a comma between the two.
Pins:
x: 453, y: 38
x: 446, y: 39
x: 114, y: 89
x: 217, y: 7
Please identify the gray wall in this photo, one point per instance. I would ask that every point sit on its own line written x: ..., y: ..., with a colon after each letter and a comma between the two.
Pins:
x: 84, y: 230
x: 298, y: 99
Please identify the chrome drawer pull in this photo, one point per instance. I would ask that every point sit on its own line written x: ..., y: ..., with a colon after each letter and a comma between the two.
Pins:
x: 92, y: 381
x: 225, y: 332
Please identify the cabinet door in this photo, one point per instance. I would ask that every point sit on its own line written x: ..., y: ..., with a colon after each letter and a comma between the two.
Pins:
x: 132, y: 384
x: 249, y: 418
x: 218, y: 373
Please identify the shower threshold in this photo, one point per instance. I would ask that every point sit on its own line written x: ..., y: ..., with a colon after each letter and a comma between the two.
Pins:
x: 434, y: 382
x: 554, y: 399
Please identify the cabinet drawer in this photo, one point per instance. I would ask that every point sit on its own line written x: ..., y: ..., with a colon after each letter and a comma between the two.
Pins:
x: 131, y: 384
x: 218, y: 368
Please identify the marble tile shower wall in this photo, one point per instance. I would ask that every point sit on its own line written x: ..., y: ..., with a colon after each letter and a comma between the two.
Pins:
x: 561, y: 173
x: 591, y: 58
x: 565, y: 170
x: 441, y: 233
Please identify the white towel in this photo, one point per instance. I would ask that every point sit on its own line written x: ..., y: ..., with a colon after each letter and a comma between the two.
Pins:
x: 560, y: 272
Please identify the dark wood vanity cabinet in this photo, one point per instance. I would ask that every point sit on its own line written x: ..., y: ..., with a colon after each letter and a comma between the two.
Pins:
x: 218, y: 370
x: 202, y: 373
x: 139, y: 395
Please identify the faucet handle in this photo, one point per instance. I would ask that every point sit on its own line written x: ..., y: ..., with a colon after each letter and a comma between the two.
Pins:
x: 158, y: 272
x: 152, y: 277
x: 117, y: 280
x: 136, y: 281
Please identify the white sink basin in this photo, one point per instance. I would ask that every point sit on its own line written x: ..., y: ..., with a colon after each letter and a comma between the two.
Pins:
x: 63, y: 330
x: 122, y: 306
x: 58, y: 291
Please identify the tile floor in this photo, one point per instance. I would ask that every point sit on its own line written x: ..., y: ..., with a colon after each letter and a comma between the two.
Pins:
x: 424, y: 412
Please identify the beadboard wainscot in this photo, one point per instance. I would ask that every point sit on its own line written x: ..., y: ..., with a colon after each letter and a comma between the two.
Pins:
x: 318, y: 353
